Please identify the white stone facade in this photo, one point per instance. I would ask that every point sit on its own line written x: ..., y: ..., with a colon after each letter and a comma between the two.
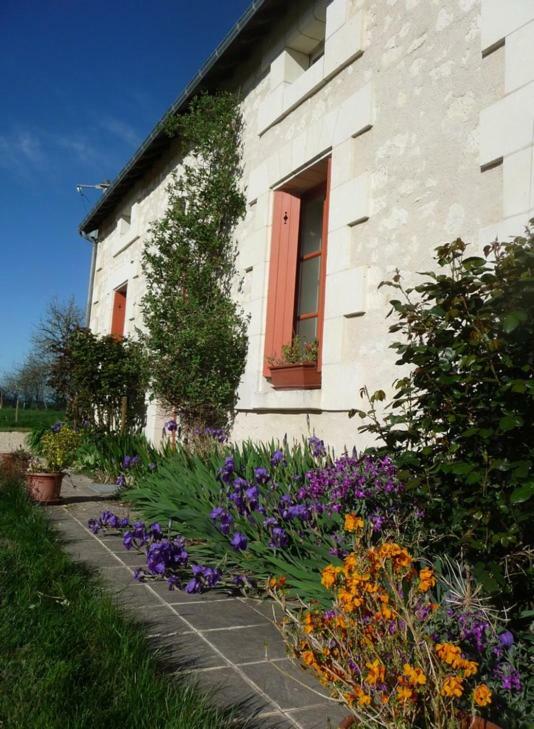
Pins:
x: 426, y: 108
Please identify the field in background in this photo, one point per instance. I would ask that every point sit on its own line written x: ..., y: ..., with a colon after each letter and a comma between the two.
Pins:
x: 28, y: 418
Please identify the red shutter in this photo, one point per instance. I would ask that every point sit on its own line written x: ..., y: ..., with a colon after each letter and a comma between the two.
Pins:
x: 282, y: 275
x: 119, y: 313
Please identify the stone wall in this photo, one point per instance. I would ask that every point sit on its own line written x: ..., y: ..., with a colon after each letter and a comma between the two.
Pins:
x: 428, y: 118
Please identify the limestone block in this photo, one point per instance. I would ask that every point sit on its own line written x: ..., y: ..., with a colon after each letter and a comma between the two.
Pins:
x: 340, y: 387
x: 272, y: 107
x: 506, y: 125
x: 354, y: 115
x: 304, y: 85
x: 333, y: 341
x: 346, y: 293
x: 505, y: 229
x: 499, y: 18
x: 518, y: 182
x: 339, y: 249
x: 349, y: 202
x: 519, y: 58
x: 336, y: 14
x: 344, y: 45
x: 258, y: 181
x: 287, y: 67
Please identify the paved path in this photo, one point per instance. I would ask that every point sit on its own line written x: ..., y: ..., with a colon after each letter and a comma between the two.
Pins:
x: 229, y: 644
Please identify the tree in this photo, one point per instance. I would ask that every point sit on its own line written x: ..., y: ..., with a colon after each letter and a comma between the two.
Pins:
x: 58, y: 323
x: 195, y: 332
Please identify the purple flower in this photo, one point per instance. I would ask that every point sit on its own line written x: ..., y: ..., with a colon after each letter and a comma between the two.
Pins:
x: 239, y: 542
x: 121, y: 480
x: 262, y: 475
x: 138, y: 574
x: 227, y: 469
x: 317, y: 447
x: 171, y: 426
x: 279, y: 538
x: 173, y: 582
x: 130, y: 462
x: 277, y: 458
x: 56, y: 427
x: 506, y: 639
x: 222, y: 518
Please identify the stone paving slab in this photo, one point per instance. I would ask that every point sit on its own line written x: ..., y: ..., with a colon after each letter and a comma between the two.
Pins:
x: 226, y: 644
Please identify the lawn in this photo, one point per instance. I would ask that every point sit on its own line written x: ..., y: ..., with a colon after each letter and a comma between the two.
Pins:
x: 68, y: 657
x: 28, y: 418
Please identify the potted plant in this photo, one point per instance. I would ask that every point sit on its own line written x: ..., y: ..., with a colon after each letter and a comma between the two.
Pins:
x: 297, y: 366
x: 58, y: 447
x: 15, y: 462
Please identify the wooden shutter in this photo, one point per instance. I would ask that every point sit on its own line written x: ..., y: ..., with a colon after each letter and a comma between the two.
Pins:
x: 119, y: 313
x: 282, y: 275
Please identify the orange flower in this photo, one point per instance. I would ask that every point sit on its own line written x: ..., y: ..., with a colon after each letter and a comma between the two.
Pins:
x: 363, y: 698
x: 277, y: 582
x: 404, y: 693
x: 482, y: 695
x: 450, y: 653
x: 308, y: 658
x: 353, y: 523
x: 329, y: 576
x: 452, y: 686
x: 376, y: 672
x: 470, y: 668
x: 415, y: 675
x: 426, y: 579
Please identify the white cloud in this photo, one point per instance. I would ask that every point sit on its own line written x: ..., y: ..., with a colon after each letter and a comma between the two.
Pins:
x: 120, y: 129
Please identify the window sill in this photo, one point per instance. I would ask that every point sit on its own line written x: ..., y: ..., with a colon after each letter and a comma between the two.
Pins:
x: 296, y: 377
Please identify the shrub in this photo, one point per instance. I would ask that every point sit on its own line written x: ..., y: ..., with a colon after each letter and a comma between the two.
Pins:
x: 103, y: 380
x: 58, y: 447
x: 195, y: 332
x: 460, y: 423
x: 402, y: 647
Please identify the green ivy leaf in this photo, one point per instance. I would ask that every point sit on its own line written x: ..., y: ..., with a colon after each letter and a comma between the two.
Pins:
x: 523, y: 493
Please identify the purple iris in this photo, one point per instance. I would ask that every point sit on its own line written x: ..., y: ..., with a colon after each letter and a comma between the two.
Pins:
x: 56, y: 427
x: 279, y: 538
x: 262, y: 475
x: 317, y: 447
x: 227, y: 469
x: 222, y: 518
x: 277, y: 458
x: 506, y: 639
x: 239, y: 542
x: 121, y: 480
x: 130, y: 461
x: 171, y: 426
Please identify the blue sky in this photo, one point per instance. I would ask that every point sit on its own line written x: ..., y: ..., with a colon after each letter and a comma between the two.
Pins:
x: 82, y: 82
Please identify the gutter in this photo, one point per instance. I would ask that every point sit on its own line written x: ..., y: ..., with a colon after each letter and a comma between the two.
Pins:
x: 92, y: 238
x: 180, y: 102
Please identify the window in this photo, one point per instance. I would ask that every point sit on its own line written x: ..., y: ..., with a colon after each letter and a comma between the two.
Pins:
x: 119, y: 312
x: 297, y: 271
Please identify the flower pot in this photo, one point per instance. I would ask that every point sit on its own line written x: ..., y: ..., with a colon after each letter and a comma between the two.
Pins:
x: 44, y: 488
x: 304, y: 376
x: 7, y: 460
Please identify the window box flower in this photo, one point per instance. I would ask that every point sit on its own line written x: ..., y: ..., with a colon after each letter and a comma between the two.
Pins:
x: 297, y: 368
x: 302, y: 376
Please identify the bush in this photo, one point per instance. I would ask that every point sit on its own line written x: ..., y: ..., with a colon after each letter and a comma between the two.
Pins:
x: 103, y: 380
x: 460, y: 424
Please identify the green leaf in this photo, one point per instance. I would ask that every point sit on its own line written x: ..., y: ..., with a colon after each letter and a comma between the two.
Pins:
x: 522, y: 493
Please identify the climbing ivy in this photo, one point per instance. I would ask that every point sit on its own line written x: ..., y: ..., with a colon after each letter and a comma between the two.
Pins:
x: 195, y: 331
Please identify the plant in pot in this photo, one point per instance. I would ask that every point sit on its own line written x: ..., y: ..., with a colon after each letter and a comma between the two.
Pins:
x: 15, y: 462
x: 58, y: 447
x: 296, y: 368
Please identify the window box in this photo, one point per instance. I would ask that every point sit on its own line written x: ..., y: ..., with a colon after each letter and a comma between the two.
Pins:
x: 303, y: 376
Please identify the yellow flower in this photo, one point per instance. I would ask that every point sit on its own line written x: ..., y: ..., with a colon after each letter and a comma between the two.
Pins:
x: 426, y: 579
x: 363, y: 698
x: 452, y: 686
x: 376, y: 672
x: 404, y: 693
x: 415, y: 675
x: 308, y: 658
x: 329, y: 576
x: 353, y: 523
x: 482, y: 695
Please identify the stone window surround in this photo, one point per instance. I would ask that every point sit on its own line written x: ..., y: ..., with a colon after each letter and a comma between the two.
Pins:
x: 291, y: 86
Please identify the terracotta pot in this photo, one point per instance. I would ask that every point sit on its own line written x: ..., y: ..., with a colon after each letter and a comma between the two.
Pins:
x: 7, y: 460
x: 44, y: 488
x: 296, y: 376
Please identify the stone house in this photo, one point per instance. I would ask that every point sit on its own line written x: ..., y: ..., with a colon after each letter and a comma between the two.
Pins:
x: 374, y: 132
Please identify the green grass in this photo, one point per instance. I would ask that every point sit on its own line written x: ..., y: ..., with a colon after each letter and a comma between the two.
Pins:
x: 68, y: 657
x: 28, y: 418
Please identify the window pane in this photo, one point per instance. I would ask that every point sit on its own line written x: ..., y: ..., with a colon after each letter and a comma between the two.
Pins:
x: 307, y: 329
x: 311, y: 226
x: 308, y: 300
